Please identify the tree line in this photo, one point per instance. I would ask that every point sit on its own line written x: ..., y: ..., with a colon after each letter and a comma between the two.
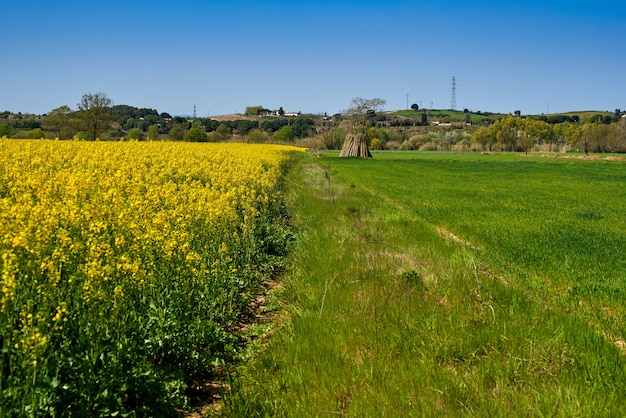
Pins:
x: 97, y: 118
x: 514, y: 133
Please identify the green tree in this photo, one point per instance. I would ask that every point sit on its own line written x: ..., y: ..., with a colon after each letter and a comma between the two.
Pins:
x: 483, y: 137
x: 568, y: 132
x: 303, y: 127
x: 223, y: 132
x: 134, y: 134
x: 148, y: 121
x: 505, y: 131
x: 254, y: 110
x: 94, y: 111
x: 176, y: 133
x: 179, y: 120
x: 59, y: 121
x: 538, y: 130
x: 7, y: 130
x: 195, y: 134
x: 153, y: 133
x: 285, y: 134
x: 244, y: 126
x: 129, y: 124
x: 379, y: 133
x: 273, y: 124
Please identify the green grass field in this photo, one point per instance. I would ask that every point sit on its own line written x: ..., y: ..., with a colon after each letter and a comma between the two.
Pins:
x: 440, y: 114
x: 428, y: 284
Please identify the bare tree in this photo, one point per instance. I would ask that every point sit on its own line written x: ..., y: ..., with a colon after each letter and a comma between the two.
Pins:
x: 618, y: 136
x: 358, y: 113
x: 331, y: 137
x: 361, y: 109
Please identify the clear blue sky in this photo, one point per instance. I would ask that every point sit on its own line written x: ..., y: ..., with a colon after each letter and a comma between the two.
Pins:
x: 314, y: 56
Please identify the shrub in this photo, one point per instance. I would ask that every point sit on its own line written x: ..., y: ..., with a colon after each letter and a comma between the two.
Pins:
x: 7, y: 130
x: 257, y: 136
x: 195, y: 134
x: 134, y: 134
x: 392, y: 145
x: 376, y: 144
x: 285, y: 134
x: 36, y: 133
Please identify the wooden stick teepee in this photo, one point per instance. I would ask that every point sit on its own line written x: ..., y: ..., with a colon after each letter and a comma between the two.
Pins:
x: 355, y: 145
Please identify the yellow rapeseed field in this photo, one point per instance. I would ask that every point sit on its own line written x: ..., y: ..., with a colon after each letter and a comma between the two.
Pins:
x: 113, y: 252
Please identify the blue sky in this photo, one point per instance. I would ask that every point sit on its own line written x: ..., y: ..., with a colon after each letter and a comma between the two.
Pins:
x: 314, y: 56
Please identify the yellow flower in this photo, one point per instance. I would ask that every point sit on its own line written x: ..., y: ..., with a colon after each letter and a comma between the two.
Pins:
x: 101, y: 231
x: 9, y: 285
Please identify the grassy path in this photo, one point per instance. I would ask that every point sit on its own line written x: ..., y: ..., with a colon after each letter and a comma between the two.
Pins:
x: 387, y: 314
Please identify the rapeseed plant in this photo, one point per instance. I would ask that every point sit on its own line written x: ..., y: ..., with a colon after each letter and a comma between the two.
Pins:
x: 117, y: 257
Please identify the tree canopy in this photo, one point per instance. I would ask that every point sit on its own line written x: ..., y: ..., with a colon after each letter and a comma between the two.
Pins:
x: 196, y: 134
x: 285, y: 134
x: 95, y: 114
x: 59, y: 120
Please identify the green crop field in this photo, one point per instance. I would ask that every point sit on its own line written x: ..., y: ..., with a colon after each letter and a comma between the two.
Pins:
x: 426, y: 284
x: 561, y: 220
x: 449, y: 115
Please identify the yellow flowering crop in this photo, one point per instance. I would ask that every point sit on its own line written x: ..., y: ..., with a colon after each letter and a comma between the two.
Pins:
x: 100, y: 239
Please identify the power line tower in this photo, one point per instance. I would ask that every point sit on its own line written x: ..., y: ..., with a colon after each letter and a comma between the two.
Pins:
x: 195, y: 114
x: 453, y: 104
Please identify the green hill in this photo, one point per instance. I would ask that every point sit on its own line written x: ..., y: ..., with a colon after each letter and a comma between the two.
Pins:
x: 447, y: 115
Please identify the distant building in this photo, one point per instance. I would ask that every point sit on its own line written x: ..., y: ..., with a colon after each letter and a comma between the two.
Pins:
x: 277, y: 113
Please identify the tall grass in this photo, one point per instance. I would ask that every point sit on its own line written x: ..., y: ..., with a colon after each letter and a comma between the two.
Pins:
x: 412, y: 292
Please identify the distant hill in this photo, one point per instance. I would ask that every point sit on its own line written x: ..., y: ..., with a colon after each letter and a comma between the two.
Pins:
x: 583, y: 114
x: 447, y: 115
x: 234, y: 116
